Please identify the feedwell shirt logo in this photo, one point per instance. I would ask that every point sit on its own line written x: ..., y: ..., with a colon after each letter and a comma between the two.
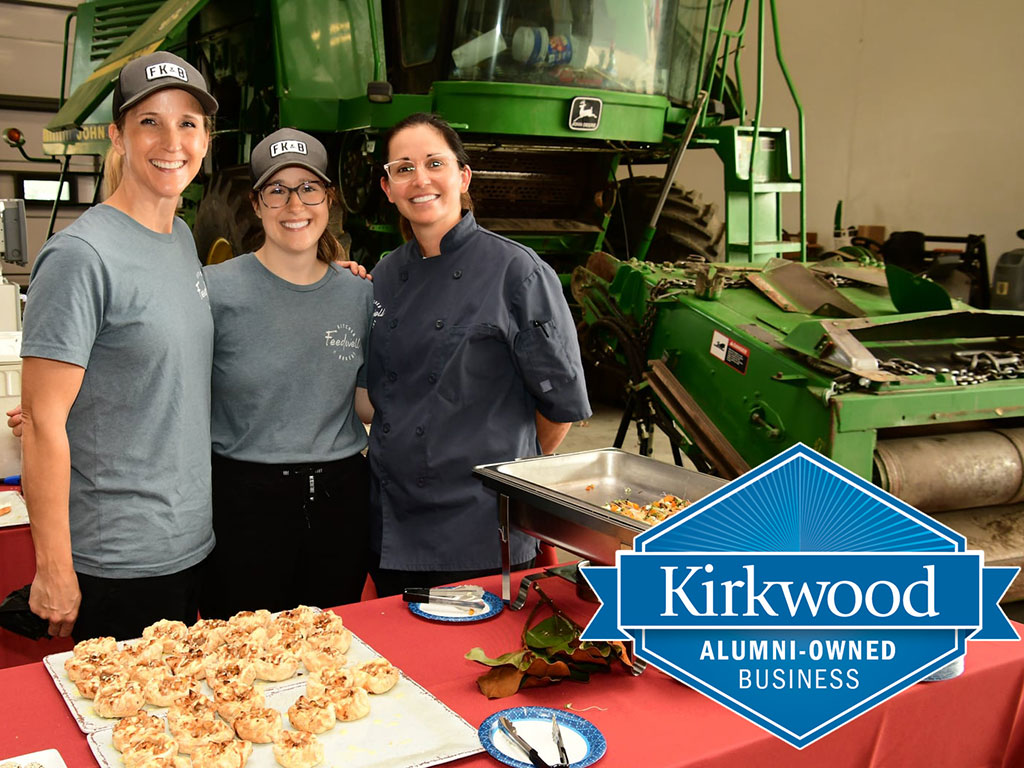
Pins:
x: 343, y: 341
x: 800, y: 596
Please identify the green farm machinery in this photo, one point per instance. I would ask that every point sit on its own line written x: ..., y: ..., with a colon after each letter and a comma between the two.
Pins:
x: 725, y: 335
x: 554, y: 100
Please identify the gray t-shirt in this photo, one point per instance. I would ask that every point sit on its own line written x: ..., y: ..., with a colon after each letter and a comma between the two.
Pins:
x: 286, y: 361
x: 129, y: 305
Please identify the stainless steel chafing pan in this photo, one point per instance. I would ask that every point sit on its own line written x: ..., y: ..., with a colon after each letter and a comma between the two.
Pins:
x: 559, y: 499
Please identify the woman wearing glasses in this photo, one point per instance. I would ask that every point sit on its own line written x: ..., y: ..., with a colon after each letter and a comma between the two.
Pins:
x: 291, y: 329
x: 473, y: 359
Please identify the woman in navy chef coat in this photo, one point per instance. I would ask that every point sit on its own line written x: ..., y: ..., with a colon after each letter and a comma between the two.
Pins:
x: 473, y: 359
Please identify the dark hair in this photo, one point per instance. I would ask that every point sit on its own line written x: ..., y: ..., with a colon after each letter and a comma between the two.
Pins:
x: 451, y: 138
x: 328, y: 248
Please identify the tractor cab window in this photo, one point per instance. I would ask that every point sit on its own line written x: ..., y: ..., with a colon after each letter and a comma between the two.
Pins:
x: 638, y: 46
x: 418, y: 28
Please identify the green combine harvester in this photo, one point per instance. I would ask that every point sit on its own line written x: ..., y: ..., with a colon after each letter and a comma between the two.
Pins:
x: 724, y: 334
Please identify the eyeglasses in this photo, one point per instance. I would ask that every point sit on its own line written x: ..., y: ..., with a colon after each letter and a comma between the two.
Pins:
x: 402, y: 171
x: 278, y: 195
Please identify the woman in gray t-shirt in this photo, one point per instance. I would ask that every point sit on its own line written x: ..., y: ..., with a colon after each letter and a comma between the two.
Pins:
x: 117, y: 346
x: 290, y: 482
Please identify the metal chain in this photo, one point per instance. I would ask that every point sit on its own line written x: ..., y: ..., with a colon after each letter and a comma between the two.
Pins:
x: 972, y: 367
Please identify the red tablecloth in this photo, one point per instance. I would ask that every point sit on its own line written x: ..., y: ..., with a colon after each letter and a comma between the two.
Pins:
x: 17, y: 567
x: 974, y: 721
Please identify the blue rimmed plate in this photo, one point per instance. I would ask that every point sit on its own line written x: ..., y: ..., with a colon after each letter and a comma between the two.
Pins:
x: 450, y: 615
x: 584, y: 744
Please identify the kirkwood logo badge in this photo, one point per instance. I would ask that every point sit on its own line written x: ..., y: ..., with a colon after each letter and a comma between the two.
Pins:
x: 800, y: 596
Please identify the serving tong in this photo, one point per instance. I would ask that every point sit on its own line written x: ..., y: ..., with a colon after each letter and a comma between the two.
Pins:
x: 529, y: 751
x: 468, y: 597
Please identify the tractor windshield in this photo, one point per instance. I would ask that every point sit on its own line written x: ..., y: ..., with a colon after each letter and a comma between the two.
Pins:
x: 638, y: 46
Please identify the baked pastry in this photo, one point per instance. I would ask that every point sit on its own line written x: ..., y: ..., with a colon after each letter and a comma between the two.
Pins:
x: 312, y: 714
x: 92, y: 679
x: 251, y: 620
x: 275, y: 666
x: 349, y: 703
x: 146, y: 649
x: 147, y: 670
x: 226, y: 754
x: 302, y: 614
x: 325, y: 621
x: 297, y: 749
x: 227, y: 672
x: 118, y: 698
x: 340, y: 640
x: 187, y: 661
x: 381, y: 676
x: 164, y: 690
x: 149, y: 751
x: 258, y: 724
x: 77, y: 667
x: 195, y: 732
x: 170, y: 633
x: 314, y: 659
x: 134, y: 728
x: 192, y: 704
x: 237, y: 636
x: 94, y: 645
x: 235, y: 697
x: 333, y: 677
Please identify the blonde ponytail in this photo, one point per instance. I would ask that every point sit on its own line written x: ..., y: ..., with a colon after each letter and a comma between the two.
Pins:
x: 113, y: 172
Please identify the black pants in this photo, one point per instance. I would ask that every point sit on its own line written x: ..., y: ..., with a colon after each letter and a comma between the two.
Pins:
x: 122, y: 608
x: 390, y: 582
x: 286, y: 535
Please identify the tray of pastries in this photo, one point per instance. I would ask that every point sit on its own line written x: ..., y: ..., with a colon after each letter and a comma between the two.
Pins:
x: 296, y: 689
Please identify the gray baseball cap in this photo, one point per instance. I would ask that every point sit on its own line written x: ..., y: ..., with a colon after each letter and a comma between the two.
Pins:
x: 285, y: 148
x: 151, y: 73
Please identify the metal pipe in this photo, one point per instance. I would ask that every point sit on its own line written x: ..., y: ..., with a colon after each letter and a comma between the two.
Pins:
x: 961, y: 471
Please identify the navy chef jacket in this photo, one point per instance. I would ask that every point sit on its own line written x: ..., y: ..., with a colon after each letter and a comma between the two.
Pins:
x: 465, y: 348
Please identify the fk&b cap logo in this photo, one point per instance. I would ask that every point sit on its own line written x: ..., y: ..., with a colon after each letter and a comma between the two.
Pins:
x: 156, y: 71
x: 280, y: 147
x: 800, y: 596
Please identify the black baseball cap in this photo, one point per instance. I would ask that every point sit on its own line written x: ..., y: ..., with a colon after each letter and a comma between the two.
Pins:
x: 285, y: 148
x: 151, y: 73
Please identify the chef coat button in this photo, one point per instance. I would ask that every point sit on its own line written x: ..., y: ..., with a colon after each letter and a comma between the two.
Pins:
x: 419, y: 431
x: 439, y: 324
x: 393, y: 323
x: 384, y: 483
x: 392, y: 376
x: 432, y: 378
x: 457, y: 274
x: 420, y: 482
x: 386, y: 428
x: 403, y: 276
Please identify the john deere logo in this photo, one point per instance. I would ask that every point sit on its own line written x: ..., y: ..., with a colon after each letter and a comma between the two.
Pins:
x: 585, y: 114
x: 280, y: 147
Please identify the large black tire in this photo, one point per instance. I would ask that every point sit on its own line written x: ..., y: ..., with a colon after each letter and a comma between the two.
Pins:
x: 687, y: 227
x: 226, y: 213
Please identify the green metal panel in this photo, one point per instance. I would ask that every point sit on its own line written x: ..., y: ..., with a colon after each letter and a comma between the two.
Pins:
x: 333, y: 115
x: 168, y: 22
x: 543, y: 110
x: 324, y: 49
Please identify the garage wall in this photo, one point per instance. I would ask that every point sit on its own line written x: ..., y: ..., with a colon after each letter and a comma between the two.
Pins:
x: 914, y: 111
x: 31, y: 43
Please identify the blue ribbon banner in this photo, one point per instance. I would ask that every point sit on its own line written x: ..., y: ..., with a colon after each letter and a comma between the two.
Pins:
x: 768, y: 590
